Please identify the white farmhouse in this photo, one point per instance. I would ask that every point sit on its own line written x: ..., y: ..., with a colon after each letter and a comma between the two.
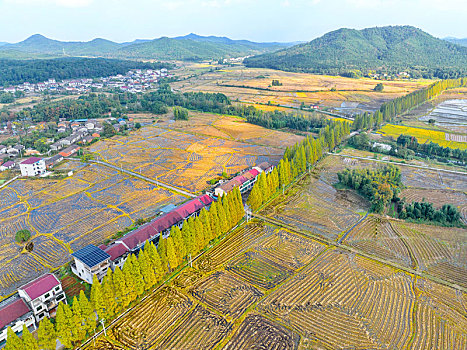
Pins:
x: 43, y: 295
x: 32, y: 166
x: 14, y: 313
x: 90, y: 261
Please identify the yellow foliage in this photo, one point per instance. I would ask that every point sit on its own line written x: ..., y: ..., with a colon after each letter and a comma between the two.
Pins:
x: 422, y: 135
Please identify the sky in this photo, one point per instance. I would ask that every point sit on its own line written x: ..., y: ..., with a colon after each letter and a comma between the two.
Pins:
x: 257, y: 20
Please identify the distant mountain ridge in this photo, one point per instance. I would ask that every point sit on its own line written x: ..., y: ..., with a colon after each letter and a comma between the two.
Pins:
x: 457, y: 41
x: 189, y: 47
x: 387, y: 48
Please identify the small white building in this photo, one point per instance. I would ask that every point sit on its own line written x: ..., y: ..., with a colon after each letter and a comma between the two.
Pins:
x: 14, y: 313
x: 90, y: 261
x: 32, y: 166
x: 43, y: 295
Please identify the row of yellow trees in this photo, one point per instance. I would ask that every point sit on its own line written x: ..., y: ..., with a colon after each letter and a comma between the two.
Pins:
x: 295, y: 161
x: 140, y: 274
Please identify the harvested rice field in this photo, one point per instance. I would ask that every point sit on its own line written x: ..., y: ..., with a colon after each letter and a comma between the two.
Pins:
x: 68, y: 214
x: 189, y: 154
x: 275, y: 287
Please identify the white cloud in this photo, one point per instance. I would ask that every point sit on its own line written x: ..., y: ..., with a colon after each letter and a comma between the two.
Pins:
x: 62, y: 3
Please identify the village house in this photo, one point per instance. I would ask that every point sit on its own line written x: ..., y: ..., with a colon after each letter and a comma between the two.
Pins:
x: 90, y: 261
x: 3, y: 149
x: 7, y: 165
x: 32, y: 166
x: 14, y: 313
x: 245, y: 181
x: 56, y: 146
x: 69, y: 151
x: 43, y: 295
x: 52, y: 161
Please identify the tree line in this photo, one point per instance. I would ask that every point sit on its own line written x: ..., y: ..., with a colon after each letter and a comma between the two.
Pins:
x: 389, y: 110
x: 15, y: 72
x: 447, y: 215
x: 295, y: 162
x: 382, y: 186
x: 139, y: 275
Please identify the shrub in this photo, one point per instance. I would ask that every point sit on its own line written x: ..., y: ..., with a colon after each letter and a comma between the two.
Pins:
x: 22, y: 236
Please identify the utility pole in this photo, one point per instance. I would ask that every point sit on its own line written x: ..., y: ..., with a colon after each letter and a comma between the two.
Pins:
x: 102, y: 321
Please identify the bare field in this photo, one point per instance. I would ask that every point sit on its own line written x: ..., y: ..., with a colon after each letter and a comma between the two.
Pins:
x: 188, y: 154
x: 65, y: 215
x: 252, y: 85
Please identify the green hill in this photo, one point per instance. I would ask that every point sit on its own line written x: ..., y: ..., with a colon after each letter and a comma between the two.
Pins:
x: 387, y: 49
x: 191, y: 47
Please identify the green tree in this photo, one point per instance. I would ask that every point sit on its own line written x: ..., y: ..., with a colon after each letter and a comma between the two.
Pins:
x: 156, y: 261
x: 147, y: 271
x: 29, y: 342
x: 108, y: 291
x: 78, y: 321
x: 119, y: 289
x: 172, y: 256
x: 64, y: 326
x: 13, y: 341
x: 97, y: 297
x: 379, y: 87
x: 22, y: 236
x: 223, y: 224
x: 47, y: 337
x: 128, y: 274
x: 87, y: 312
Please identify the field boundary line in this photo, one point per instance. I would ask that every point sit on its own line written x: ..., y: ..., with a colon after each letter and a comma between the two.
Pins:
x: 399, y: 163
x: 362, y: 253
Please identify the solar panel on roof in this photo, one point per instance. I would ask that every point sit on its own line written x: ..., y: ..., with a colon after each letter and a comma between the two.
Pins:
x: 91, y: 255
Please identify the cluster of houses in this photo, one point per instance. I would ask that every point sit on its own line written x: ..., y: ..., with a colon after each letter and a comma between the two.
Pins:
x: 30, y: 304
x: 244, y: 181
x: 93, y: 261
x: 134, y: 81
x: 39, y: 298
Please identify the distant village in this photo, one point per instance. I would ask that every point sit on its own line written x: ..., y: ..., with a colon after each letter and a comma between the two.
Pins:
x: 134, y: 81
x: 83, y: 132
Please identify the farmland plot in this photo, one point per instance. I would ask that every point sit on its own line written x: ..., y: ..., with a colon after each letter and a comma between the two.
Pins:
x: 65, y: 215
x: 318, y: 207
x: 189, y: 160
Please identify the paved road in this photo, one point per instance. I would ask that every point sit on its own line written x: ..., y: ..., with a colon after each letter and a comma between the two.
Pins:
x: 398, y: 163
x: 145, y: 178
x: 353, y: 250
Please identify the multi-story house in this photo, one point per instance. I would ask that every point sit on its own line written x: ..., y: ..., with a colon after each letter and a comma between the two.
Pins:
x: 90, y: 261
x: 32, y: 166
x: 14, y: 313
x: 43, y: 295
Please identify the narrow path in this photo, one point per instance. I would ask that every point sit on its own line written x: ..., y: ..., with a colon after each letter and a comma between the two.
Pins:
x: 340, y: 240
x: 398, y: 163
x: 145, y: 178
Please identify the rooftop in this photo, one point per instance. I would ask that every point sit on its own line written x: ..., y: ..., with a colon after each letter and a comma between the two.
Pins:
x: 91, y: 255
x: 116, y: 250
x: 31, y: 160
x: 166, y: 221
x: 40, y: 285
x: 12, y: 309
x: 140, y: 235
x: 190, y: 207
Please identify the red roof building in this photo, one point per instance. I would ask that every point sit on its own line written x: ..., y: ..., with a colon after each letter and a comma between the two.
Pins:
x: 40, y: 286
x: 12, y: 311
x: 189, y: 208
x: 116, y: 250
x: 31, y: 160
x: 166, y: 221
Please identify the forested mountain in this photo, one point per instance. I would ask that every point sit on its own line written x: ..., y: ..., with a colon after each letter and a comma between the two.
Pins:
x: 388, y: 49
x: 190, y: 47
x: 457, y: 41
